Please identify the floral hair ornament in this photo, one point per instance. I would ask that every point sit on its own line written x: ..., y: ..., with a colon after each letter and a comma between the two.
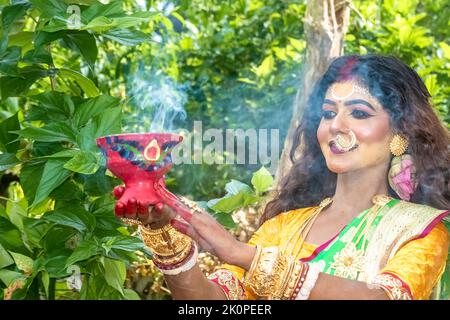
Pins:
x: 402, y: 172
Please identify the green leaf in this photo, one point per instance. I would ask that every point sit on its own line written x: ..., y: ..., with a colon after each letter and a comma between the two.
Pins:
x: 86, y: 138
x: 22, y: 39
x: 11, y: 14
x: 15, y: 86
x: 17, y: 210
x: 10, y: 236
x: 45, y: 278
x: 5, y: 258
x: 225, y: 219
x: 133, y: 20
x: 266, y: 67
x: 56, y: 263
x: 54, y: 175
x: 99, y: 184
x: 35, y: 230
x: 88, y: 87
x: 9, y: 60
x: 23, y: 262
x: 299, y: 45
x: 68, y: 191
x: 229, y: 203
x: 262, y: 180
x: 30, y: 173
x: 60, y: 238
x: 8, y: 276
x: 127, y: 37
x: 85, y: 162
x: 50, y: 133
x: 115, y: 273
x: 50, y: 8
x: 84, y: 43
x: 446, y: 49
x: 55, y: 102
x: 125, y: 243
x: 85, y: 250
x: 73, y: 216
x: 130, y: 294
x: 68, y: 153
x: 42, y: 38
x: 7, y: 138
x: 112, y: 9
x: 234, y: 187
x: 92, y: 108
x: 38, y: 55
x: 100, y: 24
x: 432, y: 85
x: 109, y: 122
x: 7, y: 161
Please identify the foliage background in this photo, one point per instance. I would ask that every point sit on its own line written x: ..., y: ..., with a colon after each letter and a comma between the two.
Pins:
x: 230, y: 64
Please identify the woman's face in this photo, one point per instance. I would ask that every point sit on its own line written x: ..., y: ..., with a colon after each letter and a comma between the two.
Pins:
x: 349, y: 106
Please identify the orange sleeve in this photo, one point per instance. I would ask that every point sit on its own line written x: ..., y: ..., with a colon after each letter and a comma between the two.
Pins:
x: 229, y: 277
x: 419, y: 264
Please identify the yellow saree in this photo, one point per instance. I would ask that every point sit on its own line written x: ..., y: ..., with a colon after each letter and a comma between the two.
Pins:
x: 407, y: 251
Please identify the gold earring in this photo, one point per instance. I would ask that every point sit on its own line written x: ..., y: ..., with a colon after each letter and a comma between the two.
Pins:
x: 398, y: 145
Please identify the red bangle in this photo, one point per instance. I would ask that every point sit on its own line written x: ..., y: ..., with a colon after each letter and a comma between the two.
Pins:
x: 300, y: 281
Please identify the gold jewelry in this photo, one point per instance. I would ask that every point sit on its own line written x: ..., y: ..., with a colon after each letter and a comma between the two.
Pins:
x: 398, y: 145
x: 131, y: 222
x: 347, y: 89
x: 173, y: 260
x: 268, y: 273
x: 299, y: 283
x: 348, y: 262
x: 186, y: 265
x: 344, y: 145
x: 255, y: 261
x: 295, y: 280
x: 191, y: 205
x: 165, y: 241
x: 274, y: 275
x: 306, y: 226
x: 310, y: 280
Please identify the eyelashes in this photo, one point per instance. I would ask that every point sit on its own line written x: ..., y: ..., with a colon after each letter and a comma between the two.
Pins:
x: 356, y: 113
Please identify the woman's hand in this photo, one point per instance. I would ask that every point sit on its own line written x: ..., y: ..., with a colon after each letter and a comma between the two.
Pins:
x: 210, y: 235
x: 134, y: 209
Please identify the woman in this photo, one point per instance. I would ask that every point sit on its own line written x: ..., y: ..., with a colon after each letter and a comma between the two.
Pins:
x: 359, y: 216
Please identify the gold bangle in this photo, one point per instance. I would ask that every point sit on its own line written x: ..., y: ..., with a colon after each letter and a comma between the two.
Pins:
x: 165, y: 241
x: 273, y: 274
x: 176, y: 259
x: 269, y: 273
x: 295, y: 280
x: 254, y: 263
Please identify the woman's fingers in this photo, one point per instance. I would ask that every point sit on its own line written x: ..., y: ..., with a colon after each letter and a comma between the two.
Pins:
x: 185, y: 228
x: 118, y: 191
x: 119, y: 209
x: 131, y: 208
x: 159, y: 206
x: 188, y: 230
x: 142, y: 209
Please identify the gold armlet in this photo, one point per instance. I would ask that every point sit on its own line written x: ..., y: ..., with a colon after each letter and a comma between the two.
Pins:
x: 165, y: 241
x: 273, y: 275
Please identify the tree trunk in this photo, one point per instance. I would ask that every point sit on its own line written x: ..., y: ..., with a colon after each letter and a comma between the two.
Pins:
x: 325, y: 27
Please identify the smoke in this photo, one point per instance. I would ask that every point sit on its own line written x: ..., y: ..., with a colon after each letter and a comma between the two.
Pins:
x: 159, y: 102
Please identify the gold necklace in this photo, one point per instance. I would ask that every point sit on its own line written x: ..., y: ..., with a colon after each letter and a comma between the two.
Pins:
x: 306, y: 227
x: 350, y: 261
x: 379, y: 202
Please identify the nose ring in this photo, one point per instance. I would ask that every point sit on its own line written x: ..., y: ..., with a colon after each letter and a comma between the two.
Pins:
x: 344, y: 144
